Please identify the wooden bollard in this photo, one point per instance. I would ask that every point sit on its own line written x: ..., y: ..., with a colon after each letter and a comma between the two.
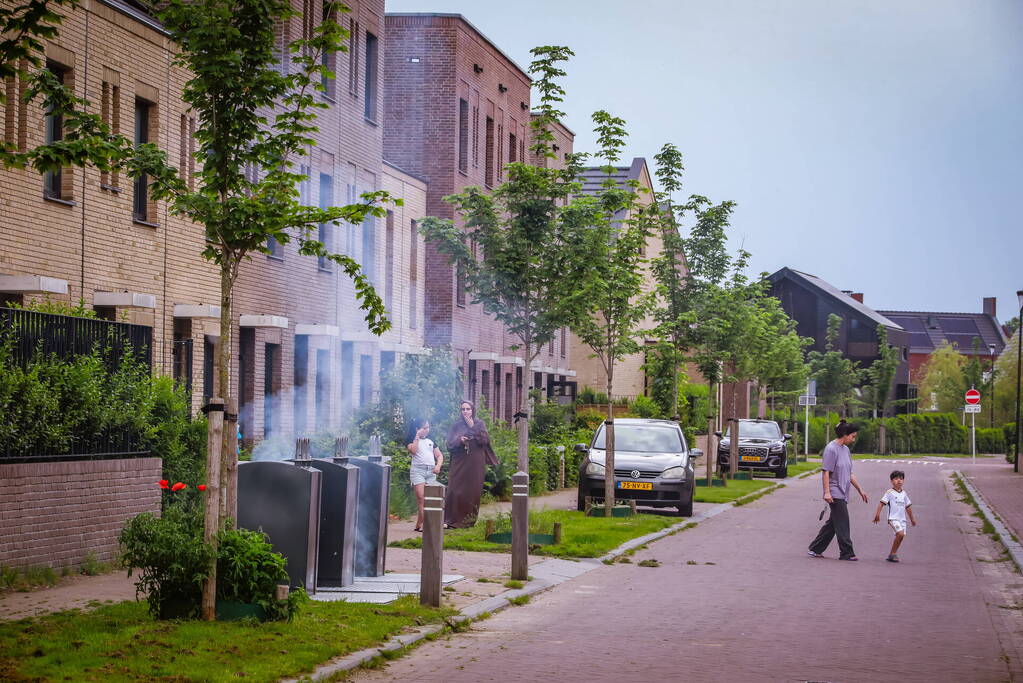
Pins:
x: 520, y: 526
x: 214, y: 442
x: 557, y: 533
x: 431, y: 574
x: 489, y: 529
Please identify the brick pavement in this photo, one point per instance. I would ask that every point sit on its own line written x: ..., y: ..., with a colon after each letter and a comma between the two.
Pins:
x: 736, y: 599
x: 1001, y: 487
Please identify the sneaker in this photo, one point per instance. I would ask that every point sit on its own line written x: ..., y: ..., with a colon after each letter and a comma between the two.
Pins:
x: 892, y: 558
x: 851, y: 558
x: 813, y: 554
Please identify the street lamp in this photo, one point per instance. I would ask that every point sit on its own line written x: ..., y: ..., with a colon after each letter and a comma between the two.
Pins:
x: 1019, y: 366
x: 991, y: 381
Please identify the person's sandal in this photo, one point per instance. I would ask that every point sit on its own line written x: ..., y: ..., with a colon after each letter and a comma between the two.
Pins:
x: 419, y: 529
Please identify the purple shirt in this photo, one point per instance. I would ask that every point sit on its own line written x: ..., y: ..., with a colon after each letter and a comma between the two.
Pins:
x: 838, y: 462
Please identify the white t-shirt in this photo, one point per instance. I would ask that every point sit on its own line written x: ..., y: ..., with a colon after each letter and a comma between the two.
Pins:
x: 897, y: 502
x: 424, y: 455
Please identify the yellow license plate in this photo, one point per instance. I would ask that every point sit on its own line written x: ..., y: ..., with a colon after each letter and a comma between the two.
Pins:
x: 636, y: 485
x: 749, y: 458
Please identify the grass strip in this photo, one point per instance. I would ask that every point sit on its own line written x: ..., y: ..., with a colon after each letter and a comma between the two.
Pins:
x: 736, y: 488
x: 581, y: 536
x: 121, y: 642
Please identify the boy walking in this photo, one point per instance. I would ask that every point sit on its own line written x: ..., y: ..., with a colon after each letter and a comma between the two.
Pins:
x: 899, y: 505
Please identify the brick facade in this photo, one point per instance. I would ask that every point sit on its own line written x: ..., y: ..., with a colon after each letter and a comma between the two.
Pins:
x: 57, y: 514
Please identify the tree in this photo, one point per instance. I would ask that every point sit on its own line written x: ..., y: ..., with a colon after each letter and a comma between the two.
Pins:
x: 836, y: 375
x: 881, y: 374
x: 1012, y: 324
x: 942, y: 381
x: 613, y: 294
x: 253, y: 123
x: 534, y: 237
x: 1004, y: 393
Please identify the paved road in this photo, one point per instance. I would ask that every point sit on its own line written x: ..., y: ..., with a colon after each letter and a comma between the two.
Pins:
x: 737, y: 599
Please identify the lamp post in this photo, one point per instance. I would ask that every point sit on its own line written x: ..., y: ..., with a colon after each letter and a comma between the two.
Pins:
x: 1019, y: 355
x: 991, y: 382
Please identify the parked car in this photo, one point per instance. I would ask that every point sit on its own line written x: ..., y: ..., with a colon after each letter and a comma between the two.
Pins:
x: 761, y: 447
x: 653, y: 465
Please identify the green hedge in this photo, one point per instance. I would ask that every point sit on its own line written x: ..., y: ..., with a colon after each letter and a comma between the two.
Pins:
x: 913, y: 433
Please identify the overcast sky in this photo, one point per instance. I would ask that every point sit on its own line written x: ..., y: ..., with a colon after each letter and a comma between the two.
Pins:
x: 877, y: 144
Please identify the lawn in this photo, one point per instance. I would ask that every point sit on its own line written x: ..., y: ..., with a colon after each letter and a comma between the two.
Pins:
x: 121, y: 642
x: 581, y: 536
x: 736, y: 489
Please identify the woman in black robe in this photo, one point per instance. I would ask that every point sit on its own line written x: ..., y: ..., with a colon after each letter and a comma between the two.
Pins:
x: 470, y: 452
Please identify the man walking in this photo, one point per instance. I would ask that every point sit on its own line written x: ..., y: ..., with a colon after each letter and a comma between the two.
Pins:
x: 837, y: 476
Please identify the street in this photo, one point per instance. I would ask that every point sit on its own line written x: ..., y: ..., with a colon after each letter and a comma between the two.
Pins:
x: 737, y: 599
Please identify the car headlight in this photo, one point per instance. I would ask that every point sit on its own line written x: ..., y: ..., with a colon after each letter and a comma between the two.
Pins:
x: 674, y: 473
x: 780, y: 448
x: 594, y: 469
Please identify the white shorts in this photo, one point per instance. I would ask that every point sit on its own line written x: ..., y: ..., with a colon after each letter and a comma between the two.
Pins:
x: 897, y: 525
x: 422, y: 474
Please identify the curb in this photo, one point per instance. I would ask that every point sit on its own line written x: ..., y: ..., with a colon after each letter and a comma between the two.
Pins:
x: 547, y: 575
x: 1014, y: 548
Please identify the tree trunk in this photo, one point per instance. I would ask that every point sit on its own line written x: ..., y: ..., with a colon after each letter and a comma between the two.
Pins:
x: 674, y: 386
x: 733, y: 457
x: 609, y: 449
x: 712, y: 447
x: 522, y: 425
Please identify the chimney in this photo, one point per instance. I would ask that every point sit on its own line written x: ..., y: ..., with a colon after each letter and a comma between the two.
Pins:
x: 990, y: 303
x: 858, y: 296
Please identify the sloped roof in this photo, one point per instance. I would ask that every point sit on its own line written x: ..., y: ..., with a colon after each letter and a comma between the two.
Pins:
x: 929, y: 329
x: 830, y: 290
x: 593, y: 177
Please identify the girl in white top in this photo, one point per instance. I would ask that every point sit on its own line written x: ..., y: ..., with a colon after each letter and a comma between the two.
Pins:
x: 899, y: 505
x: 426, y: 462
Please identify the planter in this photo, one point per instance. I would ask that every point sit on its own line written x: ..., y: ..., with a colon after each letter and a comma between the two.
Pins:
x: 228, y: 610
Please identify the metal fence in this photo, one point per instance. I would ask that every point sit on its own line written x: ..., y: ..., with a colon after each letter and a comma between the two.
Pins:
x: 32, y: 333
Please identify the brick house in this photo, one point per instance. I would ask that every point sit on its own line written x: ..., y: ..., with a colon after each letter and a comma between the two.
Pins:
x: 457, y: 110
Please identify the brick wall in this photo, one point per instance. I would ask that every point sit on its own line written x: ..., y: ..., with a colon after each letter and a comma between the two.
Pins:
x: 55, y: 514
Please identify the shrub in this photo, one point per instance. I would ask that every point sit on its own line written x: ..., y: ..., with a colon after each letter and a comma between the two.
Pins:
x: 549, y: 419
x: 991, y: 440
x: 175, y: 437
x: 588, y: 419
x: 248, y: 571
x: 643, y: 406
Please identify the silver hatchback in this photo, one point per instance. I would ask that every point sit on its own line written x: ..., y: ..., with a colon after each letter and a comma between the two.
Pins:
x: 653, y: 465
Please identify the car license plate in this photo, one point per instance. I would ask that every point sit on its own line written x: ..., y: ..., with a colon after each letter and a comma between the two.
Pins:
x: 636, y: 485
x: 749, y: 458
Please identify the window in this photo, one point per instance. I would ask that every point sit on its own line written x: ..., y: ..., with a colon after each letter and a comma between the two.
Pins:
x: 488, y: 163
x: 485, y: 387
x: 460, y: 284
x: 322, y: 389
x: 413, y: 276
x: 472, y: 380
x: 246, y: 382
x: 463, y: 136
x: 271, y: 387
x: 369, y: 248
x: 181, y: 354
x: 513, y: 148
x: 300, y: 380
x: 15, y: 109
x: 141, y: 210
x: 476, y: 134
x: 499, y: 167
x: 305, y: 185
x: 327, y: 59
x: 110, y: 113
x: 550, y: 346
x: 564, y: 335
x: 282, y: 38
x: 353, y: 57
x: 209, y: 371
x: 371, y: 77
x: 326, y: 230
x: 386, y: 363
x: 389, y: 261
x: 186, y: 153
x: 347, y: 376
x: 365, y: 380
x: 53, y: 181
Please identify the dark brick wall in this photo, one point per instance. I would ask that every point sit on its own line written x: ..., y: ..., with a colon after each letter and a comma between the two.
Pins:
x: 55, y: 514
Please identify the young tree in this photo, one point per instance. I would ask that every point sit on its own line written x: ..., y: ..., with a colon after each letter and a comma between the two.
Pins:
x: 614, y: 295
x: 942, y: 381
x: 836, y: 375
x: 253, y: 123
x: 533, y: 234
x: 881, y: 374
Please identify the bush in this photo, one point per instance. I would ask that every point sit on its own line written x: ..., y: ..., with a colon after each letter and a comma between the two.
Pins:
x: 590, y: 396
x: 175, y: 437
x: 588, y: 419
x: 549, y: 420
x: 643, y: 406
x: 991, y: 440
x: 1009, y: 430
x: 248, y: 571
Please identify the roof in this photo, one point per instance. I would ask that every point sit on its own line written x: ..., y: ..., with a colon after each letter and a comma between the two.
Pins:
x: 455, y: 15
x: 838, y: 295
x: 593, y: 177
x: 930, y: 329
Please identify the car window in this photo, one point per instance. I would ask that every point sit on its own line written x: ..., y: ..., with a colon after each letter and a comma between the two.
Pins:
x: 758, y: 430
x: 643, y: 439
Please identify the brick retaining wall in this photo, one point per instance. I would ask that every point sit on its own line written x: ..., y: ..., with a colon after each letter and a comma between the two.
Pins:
x: 55, y: 513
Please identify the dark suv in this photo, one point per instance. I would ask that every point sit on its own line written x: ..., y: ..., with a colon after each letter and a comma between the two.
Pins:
x: 761, y: 447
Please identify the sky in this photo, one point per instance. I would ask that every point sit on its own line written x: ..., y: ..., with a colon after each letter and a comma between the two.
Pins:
x: 877, y: 144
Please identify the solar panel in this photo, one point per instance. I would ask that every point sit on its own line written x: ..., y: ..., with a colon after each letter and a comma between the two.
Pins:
x: 959, y: 326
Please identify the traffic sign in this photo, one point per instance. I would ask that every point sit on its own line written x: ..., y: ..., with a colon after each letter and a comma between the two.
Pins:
x: 807, y: 400
x: 971, y: 408
x: 973, y: 397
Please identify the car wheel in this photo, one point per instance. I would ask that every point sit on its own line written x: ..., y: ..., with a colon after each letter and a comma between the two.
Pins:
x: 782, y: 472
x: 685, y: 509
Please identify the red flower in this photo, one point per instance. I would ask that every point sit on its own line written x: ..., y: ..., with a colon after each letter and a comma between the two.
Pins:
x: 163, y: 483
x: 201, y: 487
x: 178, y: 486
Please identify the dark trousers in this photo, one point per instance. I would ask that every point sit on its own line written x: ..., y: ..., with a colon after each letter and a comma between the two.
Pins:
x: 837, y: 525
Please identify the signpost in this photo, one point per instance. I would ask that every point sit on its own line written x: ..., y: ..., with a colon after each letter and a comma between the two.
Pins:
x: 808, y: 399
x: 972, y: 407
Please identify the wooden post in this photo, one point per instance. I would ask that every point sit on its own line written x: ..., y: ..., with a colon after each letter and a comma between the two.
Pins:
x: 489, y: 529
x: 733, y: 447
x: 520, y: 526
x: 211, y: 520
x: 431, y: 574
x: 229, y: 477
x: 557, y: 533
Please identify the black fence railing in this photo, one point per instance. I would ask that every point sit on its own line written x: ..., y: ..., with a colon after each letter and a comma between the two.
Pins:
x: 32, y: 333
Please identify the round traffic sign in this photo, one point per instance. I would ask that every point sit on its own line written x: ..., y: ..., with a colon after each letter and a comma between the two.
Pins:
x: 973, y: 397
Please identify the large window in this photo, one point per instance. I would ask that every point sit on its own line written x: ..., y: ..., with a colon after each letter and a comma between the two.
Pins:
x: 300, y: 391
x: 54, y: 132
x: 463, y: 136
x: 271, y: 387
x: 489, y: 151
x: 140, y: 205
x: 371, y: 77
x: 326, y: 231
x: 327, y: 59
x: 389, y: 261
x: 413, y: 276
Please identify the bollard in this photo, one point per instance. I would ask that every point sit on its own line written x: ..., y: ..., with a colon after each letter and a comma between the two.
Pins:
x: 431, y: 574
x: 215, y: 436
x: 561, y: 466
x: 520, y: 526
x: 489, y: 529
x: 557, y: 533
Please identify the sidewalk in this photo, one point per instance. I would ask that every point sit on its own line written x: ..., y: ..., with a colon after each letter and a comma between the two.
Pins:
x: 1001, y: 488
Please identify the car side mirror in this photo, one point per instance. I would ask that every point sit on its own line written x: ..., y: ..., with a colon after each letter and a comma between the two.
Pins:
x: 696, y: 452
x: 788, y: 437
x: 580, y: 448
x: 718, y: 435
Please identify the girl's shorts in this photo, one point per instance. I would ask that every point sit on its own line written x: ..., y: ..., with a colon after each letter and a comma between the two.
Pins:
x: 897, y: 525
x: 422, y: 474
